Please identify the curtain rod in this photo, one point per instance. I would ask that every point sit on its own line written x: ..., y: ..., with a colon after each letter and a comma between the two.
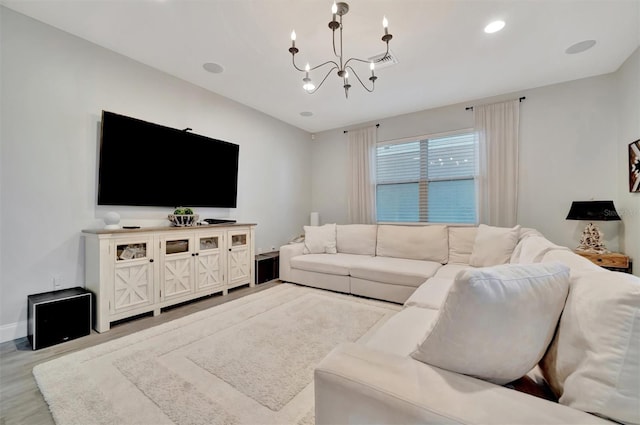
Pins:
x: 470, y: 108
x: 346, y: 131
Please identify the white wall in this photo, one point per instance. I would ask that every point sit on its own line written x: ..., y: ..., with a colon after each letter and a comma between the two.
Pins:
x: 568, y: 151
x: 628, y: 204
x: 54, y: 87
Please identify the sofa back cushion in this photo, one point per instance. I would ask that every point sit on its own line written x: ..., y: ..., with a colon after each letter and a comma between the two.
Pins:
x: 357, y: 238
x: 461, y: 240
x: 429, y: 242
x: 497, y: 322
x: 494, y: 245
x: 531, y: 249
x: 593, y: 363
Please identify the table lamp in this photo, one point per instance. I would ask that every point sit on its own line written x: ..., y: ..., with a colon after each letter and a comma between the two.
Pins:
x: 592, y: 237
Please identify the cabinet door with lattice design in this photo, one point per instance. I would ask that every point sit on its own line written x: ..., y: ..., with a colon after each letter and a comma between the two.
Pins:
x: 176, y: 268
x: 209, y: 262
x: 133, y: 275
x: 238, y: 258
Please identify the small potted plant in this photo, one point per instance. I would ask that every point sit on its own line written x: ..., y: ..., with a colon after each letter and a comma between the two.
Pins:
x: 183, y: 217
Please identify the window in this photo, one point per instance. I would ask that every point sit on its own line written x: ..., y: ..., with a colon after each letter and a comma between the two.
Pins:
x: 432, y: 179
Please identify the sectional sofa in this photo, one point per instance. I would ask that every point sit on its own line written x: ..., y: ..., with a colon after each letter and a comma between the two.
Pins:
x: 486, y: 310
x: 386, y: 262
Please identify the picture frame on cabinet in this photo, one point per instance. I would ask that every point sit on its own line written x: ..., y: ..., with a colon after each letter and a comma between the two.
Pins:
x: 634, y: 166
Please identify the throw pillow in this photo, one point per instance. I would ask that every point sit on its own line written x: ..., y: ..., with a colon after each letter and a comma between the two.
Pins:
x: 320, y: 239
x: 496, y: 323
x: 493, y: 245
x: 593, y: 363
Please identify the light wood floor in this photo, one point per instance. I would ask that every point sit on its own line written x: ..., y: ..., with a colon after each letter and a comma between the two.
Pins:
x: 20, y: 400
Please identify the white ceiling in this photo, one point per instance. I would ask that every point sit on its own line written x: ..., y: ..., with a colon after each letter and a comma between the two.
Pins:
x: 444, y: 55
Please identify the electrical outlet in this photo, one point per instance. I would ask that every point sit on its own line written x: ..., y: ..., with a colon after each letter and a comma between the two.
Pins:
x: 273, y: 248
x: 57, y: 282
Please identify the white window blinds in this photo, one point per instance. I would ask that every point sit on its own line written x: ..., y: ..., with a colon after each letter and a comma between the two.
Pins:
x: 427, y: 180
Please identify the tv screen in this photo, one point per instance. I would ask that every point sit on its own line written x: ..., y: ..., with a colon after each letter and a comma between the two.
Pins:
x: 147, y: 164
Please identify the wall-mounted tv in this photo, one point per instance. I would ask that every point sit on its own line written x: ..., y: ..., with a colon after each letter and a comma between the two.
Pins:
x: 147, y: 164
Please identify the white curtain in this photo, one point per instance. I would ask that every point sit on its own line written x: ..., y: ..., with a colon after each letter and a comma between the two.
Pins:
x: 362, y: 178
x: 496, y: 126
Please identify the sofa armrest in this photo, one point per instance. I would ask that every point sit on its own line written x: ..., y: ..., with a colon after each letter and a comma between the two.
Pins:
x: 356, y: 384
x: 287, y: 252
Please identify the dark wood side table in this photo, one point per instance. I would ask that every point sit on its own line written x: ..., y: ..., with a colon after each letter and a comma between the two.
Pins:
x: 614, y: 261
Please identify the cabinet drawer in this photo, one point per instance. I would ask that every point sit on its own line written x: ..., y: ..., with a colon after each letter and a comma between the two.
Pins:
x: 608, y: 260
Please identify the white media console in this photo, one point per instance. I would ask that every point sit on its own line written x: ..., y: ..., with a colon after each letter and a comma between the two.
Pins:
x: 135, y: 271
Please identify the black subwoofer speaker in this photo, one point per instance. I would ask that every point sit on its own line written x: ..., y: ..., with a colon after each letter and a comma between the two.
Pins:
x: 267, y: 266
x: 58, y: 316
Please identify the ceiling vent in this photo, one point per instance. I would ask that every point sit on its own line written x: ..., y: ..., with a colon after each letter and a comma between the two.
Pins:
x: 383, y: 61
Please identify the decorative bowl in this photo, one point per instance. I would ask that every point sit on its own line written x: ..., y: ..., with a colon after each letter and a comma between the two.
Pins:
x: 184, y: 220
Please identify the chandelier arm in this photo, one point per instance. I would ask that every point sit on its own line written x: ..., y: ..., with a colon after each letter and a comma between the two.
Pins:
x: 370, y: 90
x: 293, y: 61
x: 355, y: 59
x: 322, y: 82
x: 385, y: 53
x: 333, y: 39
x: 311, y: 69
x: 335, y: 66
x: 365, y: 61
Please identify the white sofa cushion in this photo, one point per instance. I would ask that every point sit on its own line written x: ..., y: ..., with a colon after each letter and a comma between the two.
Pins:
x: 532, y: 249
x: 357, y: 238
x: 593, y: 363
x: 461, y: 240
x: 396, y: 271
x: 320, y: 239
x: 449, y: 271
x: 338, y: 264
x: 493, y: 245
x: 355, y: 384
x: 496, y: 323
x: 429, y: 243
x: 402, y: 333
x: 430, y: 294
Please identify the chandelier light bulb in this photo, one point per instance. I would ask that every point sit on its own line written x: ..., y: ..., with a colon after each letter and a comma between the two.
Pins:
x: 293, y: 35
x: 372, y: 66
x: 307, y: 68
x: 334, y: 9
x: 494, y: 26
x: 385, y: 25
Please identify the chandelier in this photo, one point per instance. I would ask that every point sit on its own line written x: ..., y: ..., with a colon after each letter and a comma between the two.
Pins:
x: 343, y: 67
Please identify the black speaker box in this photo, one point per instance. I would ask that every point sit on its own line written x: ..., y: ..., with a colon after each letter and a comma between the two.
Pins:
x: 267, y: 266
x: 58, y: 316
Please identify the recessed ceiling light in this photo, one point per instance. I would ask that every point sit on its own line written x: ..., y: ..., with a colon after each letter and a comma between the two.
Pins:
x: 213, y: 67
x: 306, y: 113
x: 494, y: 26
x: 580, y: 47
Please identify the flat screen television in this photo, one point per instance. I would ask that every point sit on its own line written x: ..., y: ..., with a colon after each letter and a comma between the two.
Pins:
x: 147, y: 164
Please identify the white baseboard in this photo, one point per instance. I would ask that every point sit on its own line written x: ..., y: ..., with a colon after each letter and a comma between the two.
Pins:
x: 13, y: 331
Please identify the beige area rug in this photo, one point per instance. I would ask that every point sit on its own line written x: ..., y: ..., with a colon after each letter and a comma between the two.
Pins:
x: 248, y: 361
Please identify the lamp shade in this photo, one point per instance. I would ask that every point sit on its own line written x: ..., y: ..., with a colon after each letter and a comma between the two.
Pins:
x: 593, y: 211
